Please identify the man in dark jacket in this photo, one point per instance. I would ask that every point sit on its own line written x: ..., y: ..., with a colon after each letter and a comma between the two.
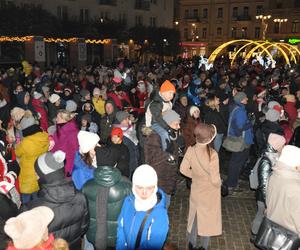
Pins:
x: 105, y: 194
x: 157, y: 158
x: 56, y: 192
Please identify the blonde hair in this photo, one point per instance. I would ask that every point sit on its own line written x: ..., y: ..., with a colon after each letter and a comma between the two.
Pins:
x: 60, y: 244
x: 66, y: 115
x: 211, y: 103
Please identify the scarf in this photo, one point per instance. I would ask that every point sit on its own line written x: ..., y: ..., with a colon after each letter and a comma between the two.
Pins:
x: 144, y: 205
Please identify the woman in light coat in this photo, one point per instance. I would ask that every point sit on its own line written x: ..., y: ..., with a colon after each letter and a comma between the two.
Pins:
x: 201, y: 163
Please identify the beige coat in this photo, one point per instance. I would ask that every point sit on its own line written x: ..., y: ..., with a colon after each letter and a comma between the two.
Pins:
x: 283, y: 197
x: 205, y: 197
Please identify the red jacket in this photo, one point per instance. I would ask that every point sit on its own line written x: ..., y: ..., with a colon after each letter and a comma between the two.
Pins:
x: 39, y: 107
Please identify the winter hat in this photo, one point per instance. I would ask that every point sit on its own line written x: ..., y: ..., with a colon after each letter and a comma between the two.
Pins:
x: 276, y: 141
x: 96, y: 91
x: 118, y: 132
x: 71, y: 106
x: 274, y: 85
x: 239, y: 97
x: 17, y: 113
x: 27, y: 122
x: 290, y: 156
x: 170, y: 116
x: 54, y: 98
x: 84, y: 93
x: 37, y: 95
x: 272, y: 115
x: 144, y: 176
x: 271, y: 104
x: 28, y: 229
x: 87, y: 141
x: 261, y: 92
x: 121, y: 115
x: 86, y: 117
x: 45, y: 89
x: 167, y: 86
x: 117, y: 80
x: 193, y: 109
x: 49, y: 163
x: 205, y: 133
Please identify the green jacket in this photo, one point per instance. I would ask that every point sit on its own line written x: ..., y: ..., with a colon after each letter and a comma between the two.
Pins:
x: 120, y: 187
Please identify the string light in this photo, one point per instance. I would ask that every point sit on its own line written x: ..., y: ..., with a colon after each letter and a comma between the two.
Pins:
x: 105, y: 41
x: 15, y: 38
x: 52, y: 40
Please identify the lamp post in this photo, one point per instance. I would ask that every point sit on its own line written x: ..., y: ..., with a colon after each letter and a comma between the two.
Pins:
x: 280, y: 21
x: 264, y: 24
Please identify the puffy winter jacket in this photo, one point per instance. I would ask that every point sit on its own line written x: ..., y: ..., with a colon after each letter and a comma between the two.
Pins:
x: 155, y: 230
x: 119, y: 188
x: 69, y: 206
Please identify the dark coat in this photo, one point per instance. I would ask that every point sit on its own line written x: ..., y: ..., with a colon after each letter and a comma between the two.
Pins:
x: 69, y: 206
x: 157, y: 158
x: 7, y: 210
x: 119, y: 188
x: 296, y: 137
x: 182, y: 111
x: 217, y: 118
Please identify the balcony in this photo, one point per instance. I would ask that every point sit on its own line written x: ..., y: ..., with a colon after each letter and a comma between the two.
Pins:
x: 108, y: 2
x: 192, y: 19
x: 142, y: 5
x: 242, y: 18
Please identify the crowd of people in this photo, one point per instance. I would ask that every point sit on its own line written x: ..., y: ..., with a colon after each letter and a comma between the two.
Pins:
x: 90, y: 157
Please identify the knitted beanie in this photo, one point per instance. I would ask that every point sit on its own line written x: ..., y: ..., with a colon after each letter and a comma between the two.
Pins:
x: 170, y: 116
x: 290, y: 156
x: 54, y: 98
x: 167, y: 86
x: 239, y: 97
x: 118, y: 132
x: 71, y: 106
x: 193, y: 109
x: 121, y: 115
x: 272, y: 115
x: 87, y: 141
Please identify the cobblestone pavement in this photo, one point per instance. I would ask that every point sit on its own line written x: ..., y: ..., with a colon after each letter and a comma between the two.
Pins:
x: 237, y: 212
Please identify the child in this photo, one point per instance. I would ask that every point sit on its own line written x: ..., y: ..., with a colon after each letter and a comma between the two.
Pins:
x: 161, y: 103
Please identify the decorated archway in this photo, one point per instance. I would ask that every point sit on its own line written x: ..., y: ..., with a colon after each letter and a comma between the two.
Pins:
x: 264, y: 46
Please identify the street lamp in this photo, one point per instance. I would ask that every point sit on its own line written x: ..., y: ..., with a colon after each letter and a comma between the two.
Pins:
x: 264, y: 24
x: 194, y: 28
x: 176, y: 23
x: 280, y: 21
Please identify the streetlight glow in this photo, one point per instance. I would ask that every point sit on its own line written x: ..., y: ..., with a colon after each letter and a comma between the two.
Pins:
x: 176, y: 23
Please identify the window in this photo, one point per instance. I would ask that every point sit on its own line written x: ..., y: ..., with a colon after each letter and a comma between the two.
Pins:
x: 138, y: 20
x: 205, y: 13
x: 244, y: 32
x: 219, y: 31
x: 84, y: 16
x: 257, y: 32
x: 122, y: 18
x: 154, y: 1
x: 186, y: 33
x: 195, y: 13
x: 62, y: 12
x: 235, y: 11
x: 220, y: 12
x: 153, y: 21
x: 246, y: 11
x: 233, y: 32
x: 259, y: 10
x: 204, y: 32
x: 297, y: 3
x: 186, y: 13
x: 295, y: 26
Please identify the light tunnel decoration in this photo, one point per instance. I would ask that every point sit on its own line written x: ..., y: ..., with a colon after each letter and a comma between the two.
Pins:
x: 264, y: 46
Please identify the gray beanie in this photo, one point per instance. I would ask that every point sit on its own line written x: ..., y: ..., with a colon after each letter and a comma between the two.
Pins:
x: 49, y: 162
x: 27, y: 122
x: 239, y: 97
x: 121, y: 115
x: 170, y: 116
x: 272, y: 115
x: 71, y: 106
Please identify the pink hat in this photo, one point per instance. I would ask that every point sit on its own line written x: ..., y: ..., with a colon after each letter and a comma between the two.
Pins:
x: 117, y: 79
x: 276, y: 141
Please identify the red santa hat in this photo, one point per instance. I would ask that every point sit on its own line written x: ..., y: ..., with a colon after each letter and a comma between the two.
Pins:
x: 275, y: 85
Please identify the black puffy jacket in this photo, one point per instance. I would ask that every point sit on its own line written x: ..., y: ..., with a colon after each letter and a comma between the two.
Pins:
x: 69, y: 206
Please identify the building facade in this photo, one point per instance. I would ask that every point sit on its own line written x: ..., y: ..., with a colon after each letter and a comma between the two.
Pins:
x: 206, y: 24
x: 130, y: 12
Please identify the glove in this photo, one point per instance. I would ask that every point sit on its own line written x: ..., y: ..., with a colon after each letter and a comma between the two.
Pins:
x: 170, y: 147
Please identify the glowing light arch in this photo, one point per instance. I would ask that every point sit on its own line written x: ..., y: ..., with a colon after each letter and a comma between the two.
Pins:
x: 262, y: 46
x: 280, y: 45
x: 246, y: 45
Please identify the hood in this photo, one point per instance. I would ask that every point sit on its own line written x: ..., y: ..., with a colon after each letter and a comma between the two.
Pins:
x: 20, y: 99
x: 107, y: 176
x: 92, y: 107
x: 114, y: 105
x: 161, y: 198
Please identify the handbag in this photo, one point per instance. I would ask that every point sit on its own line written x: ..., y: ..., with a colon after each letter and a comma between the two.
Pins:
x: 234, y: 143
x: 272, y: 236
x: 253, y: 177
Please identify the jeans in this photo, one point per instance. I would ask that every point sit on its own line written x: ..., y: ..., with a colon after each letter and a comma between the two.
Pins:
x: 164, y: 135
x: 218, y: 142
x: 258, y: 217
x: 28, y: 197
x: 236, y: 164
x: 194, y: 239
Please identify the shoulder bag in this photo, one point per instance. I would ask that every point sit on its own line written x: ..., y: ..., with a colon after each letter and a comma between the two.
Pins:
x: 272, y: 236
x: 234, y: 143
